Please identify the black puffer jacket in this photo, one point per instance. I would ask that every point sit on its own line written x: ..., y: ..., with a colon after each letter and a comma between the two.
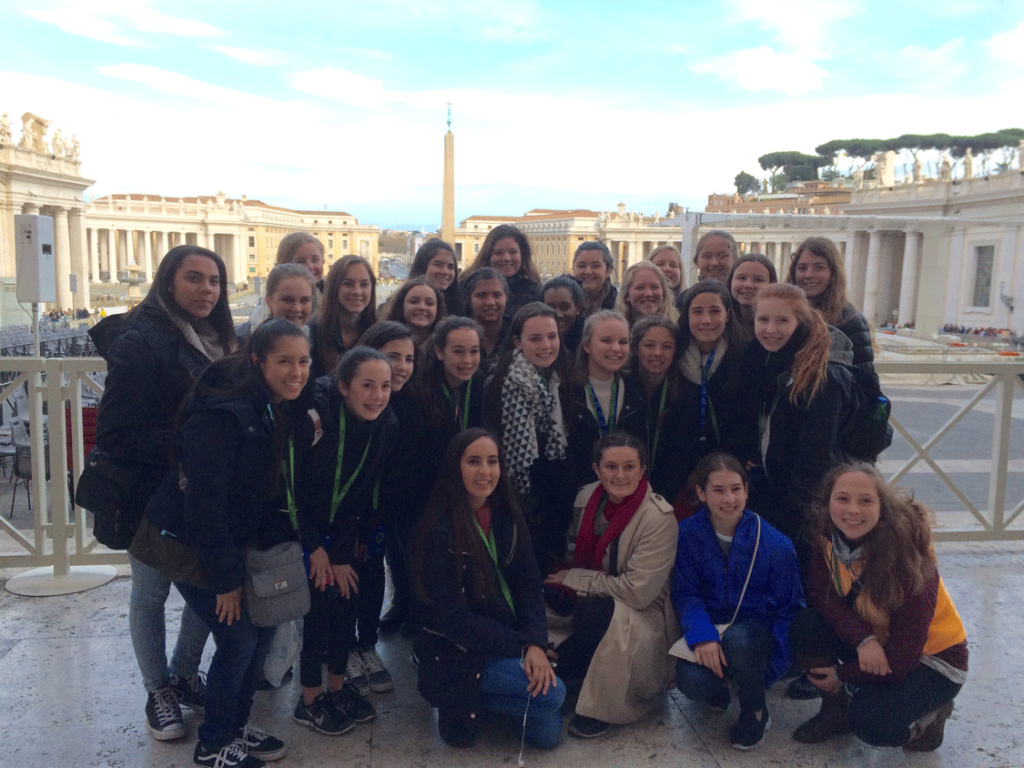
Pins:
x: 522, y: 291
x: 584, y: 429
x: 227, y: 491
x: 356, y: 517
x: 855, y: 326
x: 150, y: 368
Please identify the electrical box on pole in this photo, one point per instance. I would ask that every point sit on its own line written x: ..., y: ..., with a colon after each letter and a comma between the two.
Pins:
x: 36, y: 271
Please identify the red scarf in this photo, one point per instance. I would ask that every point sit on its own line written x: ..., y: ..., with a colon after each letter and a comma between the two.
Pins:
x: 589, y: 549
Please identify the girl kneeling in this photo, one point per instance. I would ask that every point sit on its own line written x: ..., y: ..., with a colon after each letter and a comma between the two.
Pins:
x: 733, y: 567
x: 484, y: 637
x: 880, y: 618
x: 622, y: 622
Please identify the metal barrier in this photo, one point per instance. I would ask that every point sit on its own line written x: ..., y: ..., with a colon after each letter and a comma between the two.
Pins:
x: 60, y: 382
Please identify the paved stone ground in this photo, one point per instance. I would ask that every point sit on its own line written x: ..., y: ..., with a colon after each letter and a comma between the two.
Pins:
x: 71, y: 696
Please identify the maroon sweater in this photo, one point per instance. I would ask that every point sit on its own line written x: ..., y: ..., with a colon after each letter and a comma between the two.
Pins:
x: 910, y: 623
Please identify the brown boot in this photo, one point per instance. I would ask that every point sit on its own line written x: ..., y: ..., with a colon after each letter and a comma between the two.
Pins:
x: 832, y: 719
x: 926, y: 734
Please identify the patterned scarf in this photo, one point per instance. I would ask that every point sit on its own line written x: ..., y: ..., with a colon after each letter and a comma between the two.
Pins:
x: 206, y: 342
x: 527, y: 407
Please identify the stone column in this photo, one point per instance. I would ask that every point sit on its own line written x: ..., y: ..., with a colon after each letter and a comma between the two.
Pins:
x: 238, y: 254
x: 908, y: 278
x: 129, y: 248
x: 147, y: 255
x: 112, y: 255
x: 79, y: 256
x: 786, y: 251
x: 94, y: 256
x: 872, y: 276
x: 62, y: 256
x: 851, y: 248
x: 160, y: 248
x: 954, y: 276
x: 31, y: 208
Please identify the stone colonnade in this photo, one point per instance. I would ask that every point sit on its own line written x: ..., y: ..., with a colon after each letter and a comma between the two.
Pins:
x: 115, y: 252
x: 882, y: 267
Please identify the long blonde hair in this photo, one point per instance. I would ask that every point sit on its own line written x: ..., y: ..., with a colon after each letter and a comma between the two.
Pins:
x: 667, y: 306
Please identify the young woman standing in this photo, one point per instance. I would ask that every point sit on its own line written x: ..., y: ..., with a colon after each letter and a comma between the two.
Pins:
x: 154, y: 354
x: 347, y: 311
x: 336, y: 482
x: 507, y: 250
x: 524, y: 398
x: 877, y: 605
x: 714, y: 255
x: 564, y: 295
x: 419, y: 305
x: 805, y: 403
x: 484, y: 638
x: 592, y: 266
x: 818, y: 270
x: 622, y: 623
x: 601, y: 400
x: 290, y: 289
x: 666, y: 258
x: 485, y: 295
x: 645, y: 292
x: 435, y: 260
x: 749, y: 275
x: 230, y: 491
x: 732, y: 568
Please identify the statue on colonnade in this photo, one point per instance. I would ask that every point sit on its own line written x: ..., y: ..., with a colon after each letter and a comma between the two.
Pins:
x: 33, y: 131
x: 968, y: 164
x: 5, y: 130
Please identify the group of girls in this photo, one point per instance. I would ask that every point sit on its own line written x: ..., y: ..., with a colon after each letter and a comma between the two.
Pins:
x: 454, y: 432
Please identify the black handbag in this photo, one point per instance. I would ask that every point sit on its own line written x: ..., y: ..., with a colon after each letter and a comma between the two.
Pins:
x: 107, y: 488
x: 449, y: 675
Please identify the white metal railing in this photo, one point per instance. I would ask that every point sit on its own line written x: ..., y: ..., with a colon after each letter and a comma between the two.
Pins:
x: 60, y: 382
x: 1002, y: 380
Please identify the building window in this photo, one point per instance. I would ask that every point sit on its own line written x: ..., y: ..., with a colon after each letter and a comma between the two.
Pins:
x: 476, y: 247
x: 252, y: 270
x: 330, y: 242
x: 252, y: 257
x: 984, y: 257
x: 252, y: 241
x: 344, y: 245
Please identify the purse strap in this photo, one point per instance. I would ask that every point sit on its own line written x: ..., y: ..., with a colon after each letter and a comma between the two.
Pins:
x: 750, y: 571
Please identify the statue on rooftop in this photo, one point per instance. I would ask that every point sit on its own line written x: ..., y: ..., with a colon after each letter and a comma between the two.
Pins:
x: 918, y: 165
x: 5, y: 130
x: 33, y: 131
x: 946, y: 168
x: 968, y: 164
x: 57, y: 143
x: 858, y: 177
x: 72, y: 148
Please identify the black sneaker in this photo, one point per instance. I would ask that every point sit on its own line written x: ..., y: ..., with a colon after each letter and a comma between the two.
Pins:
x: 260, y: 744
x: 588, y: 727
x: 353, y: 704
x: 749, y: 732
x: 231, y: 756
x: 376, y: 672
x: 355, y: 674
x: 802, y: 689
x: 323, y: 716
x: 163, y: 715
x: 457, y: 729
x: 719, y: 703
x: 190, y: 691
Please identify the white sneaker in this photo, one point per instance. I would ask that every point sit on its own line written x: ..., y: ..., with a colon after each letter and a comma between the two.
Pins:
x: 380, y: 678
x: 355, y: 674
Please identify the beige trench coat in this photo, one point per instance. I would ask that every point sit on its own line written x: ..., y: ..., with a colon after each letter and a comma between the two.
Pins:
x: 631, y: 666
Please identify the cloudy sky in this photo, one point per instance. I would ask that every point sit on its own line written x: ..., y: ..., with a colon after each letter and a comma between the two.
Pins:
x: 554, y: 104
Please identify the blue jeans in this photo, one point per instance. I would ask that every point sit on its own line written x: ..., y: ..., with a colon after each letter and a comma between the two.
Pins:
x: 236, y: 668
x: 503, y: 689
x: 748, y: 647
x: 149, y: 632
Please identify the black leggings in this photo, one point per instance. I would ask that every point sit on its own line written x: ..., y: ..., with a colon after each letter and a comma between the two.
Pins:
x: 880, y: 713
x: 591, y: 618
x: 328, y: 633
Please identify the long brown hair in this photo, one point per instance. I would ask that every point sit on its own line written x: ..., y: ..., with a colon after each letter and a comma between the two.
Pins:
x: 810, y: 365
x: 898, y: 555
x: 329, y: 312
x: 832, y: 301
x: 500, y: 232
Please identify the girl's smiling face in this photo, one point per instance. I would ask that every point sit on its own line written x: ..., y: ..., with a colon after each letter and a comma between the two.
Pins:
x: 440, y: 271
x: 620, y: 472
x: 354, y: 290
x: 656, y: 351
x: 725, y: 496
x: 507, y: 257
x: 460, y: 356
x: 607, y: 347
x: 368, y: 393
x: 539, y: 341
x: 854, y: 505
x: 775, y: 322
x: 671, y: 265
x: 401, y: 354
x: 747, y: 281
x: 420, y: 307
x: 645, y: 292
x: 591, y: 270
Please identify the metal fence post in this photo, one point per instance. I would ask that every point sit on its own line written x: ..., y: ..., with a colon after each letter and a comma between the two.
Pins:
x: 1003, y: 421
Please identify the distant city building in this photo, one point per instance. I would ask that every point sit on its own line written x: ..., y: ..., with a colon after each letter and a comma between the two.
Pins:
x: 801, y: 197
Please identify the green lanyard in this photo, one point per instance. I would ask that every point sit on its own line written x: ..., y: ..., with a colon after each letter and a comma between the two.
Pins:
x: 289, y: 485
x: 492, y: 549
x: 652, y: 448
x: 465, y: 404
x: 340, y: 494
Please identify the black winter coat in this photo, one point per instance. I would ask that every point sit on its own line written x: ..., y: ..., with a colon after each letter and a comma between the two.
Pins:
x: 488, y: 628
x: 150, y: 368
x: 585, y: 430
x: 855, y: 326
x: 227, y: 492
x: 522, y: 291
x: 356, y: 517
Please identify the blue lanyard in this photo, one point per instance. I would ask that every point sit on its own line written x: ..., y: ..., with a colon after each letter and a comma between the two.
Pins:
x: 704, y: 397
x: 613, y: 406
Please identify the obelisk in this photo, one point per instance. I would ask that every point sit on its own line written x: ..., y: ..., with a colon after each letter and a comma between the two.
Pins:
x: 448, y: 198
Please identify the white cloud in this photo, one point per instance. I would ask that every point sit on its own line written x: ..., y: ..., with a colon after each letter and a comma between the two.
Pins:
x: 1008, y: 46
x: 371, y: 53
x: 798, y: 25
x: 344, y: 86
x: 763, y: 69
x: 105, y: 20
x: 261, y: 58
x: 932, y: 67
x: 181, y: 85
